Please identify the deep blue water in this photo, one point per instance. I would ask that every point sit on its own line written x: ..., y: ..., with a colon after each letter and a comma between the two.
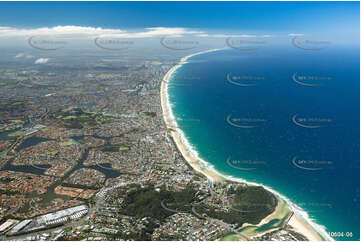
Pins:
x: 301, y: 140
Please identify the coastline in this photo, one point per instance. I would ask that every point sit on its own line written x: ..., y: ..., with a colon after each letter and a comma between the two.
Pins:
x: 300, y: 221
x: 170, y: 122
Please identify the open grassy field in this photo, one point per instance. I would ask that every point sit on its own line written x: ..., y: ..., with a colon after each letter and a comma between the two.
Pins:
x: 231, y: 237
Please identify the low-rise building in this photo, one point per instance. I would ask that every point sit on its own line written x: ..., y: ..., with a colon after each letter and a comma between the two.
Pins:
x: 7, y: 225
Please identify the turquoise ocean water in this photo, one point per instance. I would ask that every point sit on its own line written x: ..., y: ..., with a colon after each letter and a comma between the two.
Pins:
x: 283, y: 117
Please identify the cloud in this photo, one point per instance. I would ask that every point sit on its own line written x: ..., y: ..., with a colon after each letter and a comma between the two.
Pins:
x: 295, y: 35
x: 155, y: 32
x: 72, y: 31
x: 20, y: 55
x: 41, y: 61
x: 23, y: 55
x: 81, y: 32
x: 233, y: 35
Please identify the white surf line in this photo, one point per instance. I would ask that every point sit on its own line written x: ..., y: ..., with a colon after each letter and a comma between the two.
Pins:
x: 302, y: 214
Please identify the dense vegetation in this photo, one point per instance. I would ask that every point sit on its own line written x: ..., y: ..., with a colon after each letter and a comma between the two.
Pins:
x: 250, y: 204
x: 146, y: 202
x: 141, y: 202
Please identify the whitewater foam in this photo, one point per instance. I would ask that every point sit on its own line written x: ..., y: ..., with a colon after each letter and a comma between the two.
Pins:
x: 206, y: 165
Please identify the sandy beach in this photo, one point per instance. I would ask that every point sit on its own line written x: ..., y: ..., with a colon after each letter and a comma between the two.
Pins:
x: 170, y: 123
x: 296, y: 222
x: 304, y: 228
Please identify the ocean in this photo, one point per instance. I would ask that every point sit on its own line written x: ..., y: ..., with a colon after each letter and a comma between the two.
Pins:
x: 284, y: 117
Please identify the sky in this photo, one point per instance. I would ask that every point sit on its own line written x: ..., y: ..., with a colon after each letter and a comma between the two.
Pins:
x: 336, y: 19
x: 270, y: 16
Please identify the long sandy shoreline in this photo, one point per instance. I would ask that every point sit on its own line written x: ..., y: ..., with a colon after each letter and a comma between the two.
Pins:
x: 297, y: 222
